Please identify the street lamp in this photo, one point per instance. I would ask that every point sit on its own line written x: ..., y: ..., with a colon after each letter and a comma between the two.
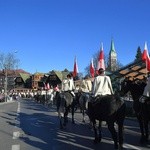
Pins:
x: 6, y: 82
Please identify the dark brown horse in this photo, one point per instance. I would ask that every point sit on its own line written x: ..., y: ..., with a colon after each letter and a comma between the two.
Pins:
x: 65, y: 103
x: 142, y: 110
x: 111, y: 110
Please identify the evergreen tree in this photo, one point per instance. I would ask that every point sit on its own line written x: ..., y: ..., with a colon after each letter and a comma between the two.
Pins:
x: 138, y: 55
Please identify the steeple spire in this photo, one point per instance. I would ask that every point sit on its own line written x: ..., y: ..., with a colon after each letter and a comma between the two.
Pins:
x: 112, y: 47
x: 112, y: 57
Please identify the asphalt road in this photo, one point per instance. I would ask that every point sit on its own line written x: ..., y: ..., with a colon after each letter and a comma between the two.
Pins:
x: 27, y: 125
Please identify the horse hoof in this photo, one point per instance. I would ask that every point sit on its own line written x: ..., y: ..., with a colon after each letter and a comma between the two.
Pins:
x: 61, y: 127
x: 96, y: 140
x: 99, y: 139
x: 73, y: 122
x: 121, y: 147
x: 83, y: 121
x: 142, y: 140
x: 64, y: 124
x: 67, y: 120
x: 116, y: 146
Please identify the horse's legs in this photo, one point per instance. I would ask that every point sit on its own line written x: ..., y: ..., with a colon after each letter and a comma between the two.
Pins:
x: 96, y: 140
x: 61, y: 124
x: 113, y: 133
x: 60, y: 115
x: 73, y: 110
x: 120, y: 133
x: 66, y: 116
x: 73, y: 115
x: 146, y: 130
x: 98, y: 137
x: 141, y: 124
x: 100, y: 130
x: 83, y: 107
x: 120, y: 123
x: 83, y: 115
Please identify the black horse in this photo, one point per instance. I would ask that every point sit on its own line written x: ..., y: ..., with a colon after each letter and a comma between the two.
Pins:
x: 83, y: 104
x: 112, y: 110
x: 65, y: 103
x: 142, y: 110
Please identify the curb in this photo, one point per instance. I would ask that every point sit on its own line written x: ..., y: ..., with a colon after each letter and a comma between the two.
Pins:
x: 2, y: 103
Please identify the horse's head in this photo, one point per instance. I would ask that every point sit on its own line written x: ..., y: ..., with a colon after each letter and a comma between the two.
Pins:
x: 126, y: 86
x: 136, y: 89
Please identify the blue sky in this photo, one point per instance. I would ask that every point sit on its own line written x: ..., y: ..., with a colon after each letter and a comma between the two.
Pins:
x: 48, y: 34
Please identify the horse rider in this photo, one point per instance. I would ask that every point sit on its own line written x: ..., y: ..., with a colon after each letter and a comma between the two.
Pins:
x: 102, y: 85
x: 68, y: 85
x: 146, y: 93
x: 86, y: 87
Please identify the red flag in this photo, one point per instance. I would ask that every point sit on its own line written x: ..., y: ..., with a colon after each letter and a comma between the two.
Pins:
x: 101, y: 63
x: 92, y: 70
x: 145, y: 54
x: 145, y: 57
x: 75, y: 69
x: 48, y: 86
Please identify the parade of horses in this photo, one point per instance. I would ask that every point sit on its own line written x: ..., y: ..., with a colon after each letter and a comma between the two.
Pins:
x: 111, y: 109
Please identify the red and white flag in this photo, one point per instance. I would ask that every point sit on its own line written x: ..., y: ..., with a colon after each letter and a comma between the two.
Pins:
x: 75, y: 69
x: 92, y: 70
x: 101, y: 63
x: 45, y: 87
x: 145, y: 57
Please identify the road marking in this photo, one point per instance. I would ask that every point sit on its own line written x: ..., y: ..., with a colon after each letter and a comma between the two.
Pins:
x: 16, y: 135
x: 15, y: 147
x: 71, y: 143
x: 18, y: 109
x: 17, y: 118
x: 131, y: 146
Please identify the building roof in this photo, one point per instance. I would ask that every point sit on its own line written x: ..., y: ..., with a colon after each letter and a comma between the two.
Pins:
x: 61, y: 74
x: 24, y: 76
x: 39, y: 73
x: 135, y: 70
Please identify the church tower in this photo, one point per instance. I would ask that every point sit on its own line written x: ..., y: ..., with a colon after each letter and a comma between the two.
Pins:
x: 112, y: 64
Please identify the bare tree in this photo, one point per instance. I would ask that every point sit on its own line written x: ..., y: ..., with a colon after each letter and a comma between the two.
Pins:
x: 8, y: 61
x: 95, y: 60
